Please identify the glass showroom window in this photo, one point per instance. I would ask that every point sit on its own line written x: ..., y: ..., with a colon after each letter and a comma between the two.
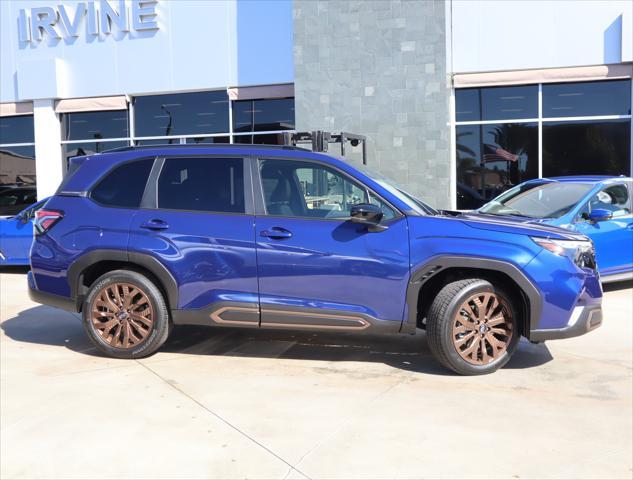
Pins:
x: 497, y: 141
x: 263, y: 121
x: 204, y: 117
x: 17, y: 150
x: 199, y: 117
x: 586, y: 129
x: 85, y: 133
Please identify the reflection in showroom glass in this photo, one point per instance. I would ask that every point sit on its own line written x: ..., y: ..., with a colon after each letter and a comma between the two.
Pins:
x: 496, y: 103
x: 222, y: 139
x: 594, y: 147
x: 95, y: 125
x: 181, y: 114
x: 17, y: 165
x: 263, y: 115
x: 17, y: 129
x: 88, y: 148
x: 265, y: 139
x: 492, y: 158
x: 587, y: 98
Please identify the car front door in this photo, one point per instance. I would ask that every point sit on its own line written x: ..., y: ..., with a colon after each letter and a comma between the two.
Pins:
x: 613, y: 238
x: 316, y: 268
x: 198, y: 221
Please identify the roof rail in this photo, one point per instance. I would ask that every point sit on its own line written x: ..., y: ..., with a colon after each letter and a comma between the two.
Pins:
x: 193, y: 146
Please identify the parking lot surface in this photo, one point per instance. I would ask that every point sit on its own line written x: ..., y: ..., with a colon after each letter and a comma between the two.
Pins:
x: 230, y: 403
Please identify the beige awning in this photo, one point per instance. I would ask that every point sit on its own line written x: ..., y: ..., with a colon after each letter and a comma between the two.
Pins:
x: 94, y: 104
x: 548, y: 75
x: 266, y: 91
x: 12, y: 109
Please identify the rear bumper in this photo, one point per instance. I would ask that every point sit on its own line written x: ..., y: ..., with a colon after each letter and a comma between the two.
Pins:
x: 583, y: 319
x: 48, y: 298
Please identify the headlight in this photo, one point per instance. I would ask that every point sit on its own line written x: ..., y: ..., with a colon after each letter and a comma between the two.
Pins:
x: 581, y: 252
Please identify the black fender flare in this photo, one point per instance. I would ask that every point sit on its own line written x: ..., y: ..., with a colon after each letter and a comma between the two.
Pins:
x: 438, y: 263
x: 148, y: 262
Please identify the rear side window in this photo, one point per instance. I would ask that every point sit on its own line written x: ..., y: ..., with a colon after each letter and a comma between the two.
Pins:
x: 202, y: 184
x: 124, y: 186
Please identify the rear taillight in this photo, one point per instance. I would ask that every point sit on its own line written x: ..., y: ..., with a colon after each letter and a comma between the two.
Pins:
x: 45, y: 219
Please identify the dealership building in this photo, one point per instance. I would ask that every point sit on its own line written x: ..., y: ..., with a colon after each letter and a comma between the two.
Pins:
x: 458, y: 99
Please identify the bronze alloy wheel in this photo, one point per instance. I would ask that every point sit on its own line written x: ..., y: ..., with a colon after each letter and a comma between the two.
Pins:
x: 122, y: 315
x: 482, y: 328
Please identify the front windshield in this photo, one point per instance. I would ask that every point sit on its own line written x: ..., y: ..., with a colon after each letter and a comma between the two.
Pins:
x: 538, y: 199
x: 398, y: 192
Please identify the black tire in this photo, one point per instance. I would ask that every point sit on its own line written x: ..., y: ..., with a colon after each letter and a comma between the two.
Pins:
x: 156, y: 334
x: 441, y: 320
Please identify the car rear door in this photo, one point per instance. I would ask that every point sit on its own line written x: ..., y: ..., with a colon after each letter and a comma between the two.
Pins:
x: 612, y: 238
x: 316, y: 268
x: 196, y: 218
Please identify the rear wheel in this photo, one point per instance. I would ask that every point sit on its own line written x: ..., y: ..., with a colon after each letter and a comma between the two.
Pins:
x: 125, y: 315
x: 472, y: 327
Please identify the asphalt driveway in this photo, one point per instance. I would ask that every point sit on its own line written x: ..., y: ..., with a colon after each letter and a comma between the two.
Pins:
x: 230, y: 403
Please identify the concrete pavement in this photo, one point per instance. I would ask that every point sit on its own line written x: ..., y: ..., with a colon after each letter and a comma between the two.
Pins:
x: 229, y: 403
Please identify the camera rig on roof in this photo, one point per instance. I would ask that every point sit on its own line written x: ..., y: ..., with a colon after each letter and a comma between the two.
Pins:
x: 320, y: 141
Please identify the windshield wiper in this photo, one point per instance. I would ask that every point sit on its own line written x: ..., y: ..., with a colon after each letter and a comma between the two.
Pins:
x: 505, y: 214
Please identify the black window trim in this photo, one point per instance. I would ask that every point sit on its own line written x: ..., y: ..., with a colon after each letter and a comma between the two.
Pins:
x: 260, y: 203
x: 103, y: 176
x: 150, y: 196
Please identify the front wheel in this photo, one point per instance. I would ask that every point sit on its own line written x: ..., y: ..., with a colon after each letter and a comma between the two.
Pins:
x: 125, y: 315
x: 472, y: 327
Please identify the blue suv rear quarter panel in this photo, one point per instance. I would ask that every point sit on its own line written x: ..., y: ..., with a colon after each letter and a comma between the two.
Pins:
x: 86, y: 226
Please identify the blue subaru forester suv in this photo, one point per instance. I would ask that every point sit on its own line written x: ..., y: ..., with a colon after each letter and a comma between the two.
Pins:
x: 143, y: 238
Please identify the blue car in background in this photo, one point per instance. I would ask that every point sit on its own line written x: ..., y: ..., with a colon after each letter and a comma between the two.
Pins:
x: 597, y: 206
x: 16, y: 236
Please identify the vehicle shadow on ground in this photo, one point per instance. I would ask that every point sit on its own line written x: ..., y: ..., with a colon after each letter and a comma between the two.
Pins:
x: 14, y: 269
x: 615, y: 286
x: 47, y: 326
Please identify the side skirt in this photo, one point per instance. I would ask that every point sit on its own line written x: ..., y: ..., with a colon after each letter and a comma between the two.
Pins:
x: 234, y: 314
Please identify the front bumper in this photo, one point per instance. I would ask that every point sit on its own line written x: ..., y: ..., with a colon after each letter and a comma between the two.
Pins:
x: 583, y: 319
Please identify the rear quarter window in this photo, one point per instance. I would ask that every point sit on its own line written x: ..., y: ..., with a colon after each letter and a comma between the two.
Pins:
x: 123, y: 186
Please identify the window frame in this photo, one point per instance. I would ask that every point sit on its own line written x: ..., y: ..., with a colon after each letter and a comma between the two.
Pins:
x: 260, y: 202
x: 150, y: 196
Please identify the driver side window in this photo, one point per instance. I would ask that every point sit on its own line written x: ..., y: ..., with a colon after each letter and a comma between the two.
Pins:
x: 614, y: 199
x: 305, y: 189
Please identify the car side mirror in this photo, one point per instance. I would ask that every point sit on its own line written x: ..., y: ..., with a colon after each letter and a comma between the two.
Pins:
x: 369, y: 215
x: 22, y: 217
x: 598, y: 215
